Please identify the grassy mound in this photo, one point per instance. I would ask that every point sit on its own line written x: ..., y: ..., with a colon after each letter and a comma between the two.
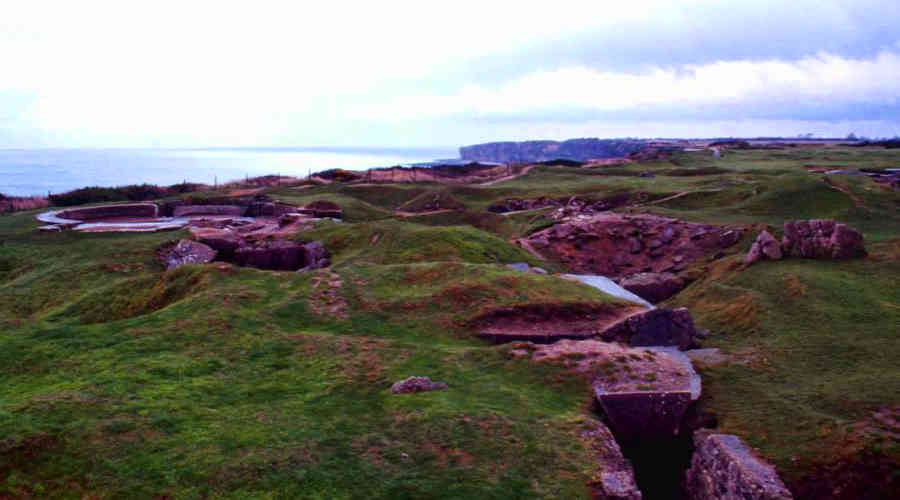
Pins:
x: 815, y: 350
x: 396, y: 242
x: 431, y: 201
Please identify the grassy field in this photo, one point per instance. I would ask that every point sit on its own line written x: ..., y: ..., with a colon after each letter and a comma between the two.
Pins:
x: 122, y: 380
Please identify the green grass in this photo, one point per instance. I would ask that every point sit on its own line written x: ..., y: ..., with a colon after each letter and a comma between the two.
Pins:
x: 123, y: 380
x: 819, y: 343
x: 398, y: 241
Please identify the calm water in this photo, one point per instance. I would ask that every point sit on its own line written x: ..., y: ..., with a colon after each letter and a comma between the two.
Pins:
x: 37, y: 171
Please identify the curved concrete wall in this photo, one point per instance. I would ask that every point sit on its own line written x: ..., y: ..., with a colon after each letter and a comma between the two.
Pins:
x: 183, y: 210
x: 142, y: 210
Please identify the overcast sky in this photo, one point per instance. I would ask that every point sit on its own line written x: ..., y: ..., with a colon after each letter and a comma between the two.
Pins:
x: 396, y: 73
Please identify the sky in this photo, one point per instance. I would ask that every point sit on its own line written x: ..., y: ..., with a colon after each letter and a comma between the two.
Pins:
x: 442, y: 74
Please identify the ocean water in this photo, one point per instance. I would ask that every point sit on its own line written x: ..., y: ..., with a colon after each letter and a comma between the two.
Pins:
x: 26, y: 172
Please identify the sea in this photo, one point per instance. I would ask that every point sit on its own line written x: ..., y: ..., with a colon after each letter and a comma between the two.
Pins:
x: 25, y: 172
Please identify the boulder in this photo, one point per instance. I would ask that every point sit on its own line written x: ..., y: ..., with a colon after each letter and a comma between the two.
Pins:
x: 723, y: 467
x: 649, y: 399
x: 765, y: 247
x: 186, y: 252
x: 653, y: 287
x: 822, y: 239
x: 413, y: 385
x: 644, y: 392
x: 656, y: 327
x: 223, y: 240
x: 316, y: 255
x: 614, y: 476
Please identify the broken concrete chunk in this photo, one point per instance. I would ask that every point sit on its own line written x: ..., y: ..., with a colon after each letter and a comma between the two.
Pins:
x: 723, y: 467
x: 413, y: 385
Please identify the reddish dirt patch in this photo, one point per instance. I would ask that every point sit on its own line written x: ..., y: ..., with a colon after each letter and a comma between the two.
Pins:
x: 326, y: 299
x: 863, y: 470
x: 545, y: 323
x: 615, y: 245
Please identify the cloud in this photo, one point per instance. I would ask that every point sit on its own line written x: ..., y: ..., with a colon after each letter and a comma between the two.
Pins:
x: 820, y: 84
x: 280, y: 73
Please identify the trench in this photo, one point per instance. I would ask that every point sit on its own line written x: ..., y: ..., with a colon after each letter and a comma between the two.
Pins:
x: 660, y: 465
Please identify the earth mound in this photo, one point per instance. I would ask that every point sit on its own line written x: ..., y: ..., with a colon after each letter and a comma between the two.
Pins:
x: 618, y: 245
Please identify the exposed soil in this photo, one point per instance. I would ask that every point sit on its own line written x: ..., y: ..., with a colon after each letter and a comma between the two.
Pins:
x: 326, y: 299
x: 859, y: 473
x: 569, y: 205
x: 547, y: 323
x: 617, y: 245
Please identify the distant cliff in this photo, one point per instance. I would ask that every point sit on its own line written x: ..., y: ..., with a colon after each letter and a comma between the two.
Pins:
x: 533, y: 151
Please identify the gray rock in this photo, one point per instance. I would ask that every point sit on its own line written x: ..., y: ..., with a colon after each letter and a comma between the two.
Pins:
x: 316, y: 255
x: 518, y: 266
x: 724, y: 468
x: 708, y: 357
x: 186, y: 252
x: 657, y: 327
x: 653, y: 287
x: 614, y: 477
x: 822, y: 239
x: 649, y: 409
x: 765, y: 247
x: 413, y: 385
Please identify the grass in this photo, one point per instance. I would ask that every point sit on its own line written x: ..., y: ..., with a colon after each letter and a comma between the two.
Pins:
x: 123, y: 380
x: 132, y: 381
x: 397, y: 241
x: 817, y: 343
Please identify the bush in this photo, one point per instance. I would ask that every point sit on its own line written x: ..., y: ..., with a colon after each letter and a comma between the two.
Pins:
x: 97, y: 194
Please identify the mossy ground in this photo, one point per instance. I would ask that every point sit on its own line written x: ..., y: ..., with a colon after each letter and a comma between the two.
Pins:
x: 122, y: 380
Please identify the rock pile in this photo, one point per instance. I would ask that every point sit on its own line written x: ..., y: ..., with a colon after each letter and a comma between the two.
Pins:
x: 809, y: 239
x: 186, y: 252
x: 724, y: 467
x: 765, y: 247
x: 821, y: 239
x: 262, y: 244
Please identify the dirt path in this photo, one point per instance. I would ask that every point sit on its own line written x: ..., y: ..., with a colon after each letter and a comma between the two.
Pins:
x: 326, y: 299
x: 505, y: 214
x: 856, y: 199
x: 675, y: 196
x: 525, y: 245
x: 508, y: 177
x: 419, y: 214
